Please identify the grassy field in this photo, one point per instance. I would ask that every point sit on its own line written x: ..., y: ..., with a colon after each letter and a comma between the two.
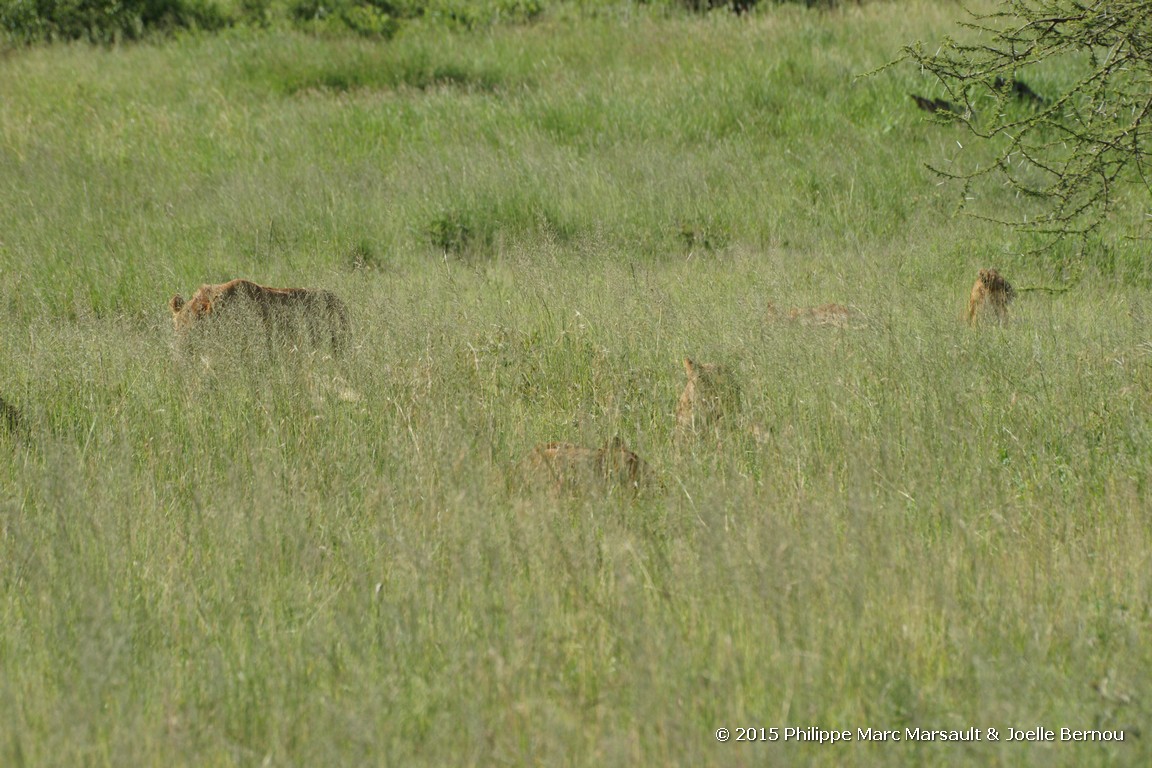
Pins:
x: 306, y: 561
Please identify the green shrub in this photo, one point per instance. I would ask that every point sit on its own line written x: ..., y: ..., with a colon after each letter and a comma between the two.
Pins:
x: 744, y: 6
x: 105, y: 21
x: 257, y: 13
x: 370, y: 21
x: 380, y: 19
x: 461, y: 232
x: 473, y: 15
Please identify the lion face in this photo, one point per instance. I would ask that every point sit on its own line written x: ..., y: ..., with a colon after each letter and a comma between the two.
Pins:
x: 185, y: 314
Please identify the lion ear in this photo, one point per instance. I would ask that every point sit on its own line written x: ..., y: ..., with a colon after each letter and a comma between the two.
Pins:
x: 176, y: 304
x: 689, y: 366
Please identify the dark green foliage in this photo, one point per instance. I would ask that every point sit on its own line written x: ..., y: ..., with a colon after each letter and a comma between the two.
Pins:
x: 110, y: 21
x: 382, y: 18
x: 460, y: 232
x: 1069, y: 148
x: 702, y: 6
x: 744, y: 6
x: 257, y: 13
x: 474, y: 15
x: 369, y: 21
x: 105, y: 21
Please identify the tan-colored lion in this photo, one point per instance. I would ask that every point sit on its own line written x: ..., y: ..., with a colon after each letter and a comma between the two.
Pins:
x: 280, y: 314
x: 710, y: 395
x: 564, y: 467
x: 990, y: 291
x: 835, y: 315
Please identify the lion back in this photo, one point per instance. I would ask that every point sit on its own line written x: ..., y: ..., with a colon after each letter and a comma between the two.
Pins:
x: 281, y: 314
x: 990, y: 289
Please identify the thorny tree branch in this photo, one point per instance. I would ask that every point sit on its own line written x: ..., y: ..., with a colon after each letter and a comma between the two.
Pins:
x: 1074, y: 150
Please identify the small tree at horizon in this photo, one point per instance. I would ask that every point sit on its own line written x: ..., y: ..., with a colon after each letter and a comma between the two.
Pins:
x: 1074, y: 151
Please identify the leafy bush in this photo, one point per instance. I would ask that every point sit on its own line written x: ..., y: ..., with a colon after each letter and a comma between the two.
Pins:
x: 374, y: 18
x: 370, y: 21
x: 473, y: 15
x: 702, y: 6
x: 105, y: 21
x: 743, y: 6
x: 461, y: 232
x: 109, y: 21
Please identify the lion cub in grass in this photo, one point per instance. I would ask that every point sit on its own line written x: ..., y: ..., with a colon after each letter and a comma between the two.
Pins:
x: 990, y: 293
x: 710, y: 396
x: 564, y: 467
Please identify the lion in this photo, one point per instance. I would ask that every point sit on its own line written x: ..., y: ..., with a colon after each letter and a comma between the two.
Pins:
x: 284, y: 314
x: 710, y: 395
x: 567, y: 467
x: 990, y: 290
x: 834, y: 315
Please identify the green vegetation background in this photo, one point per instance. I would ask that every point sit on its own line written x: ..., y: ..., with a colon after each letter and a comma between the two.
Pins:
x: 302, y: 561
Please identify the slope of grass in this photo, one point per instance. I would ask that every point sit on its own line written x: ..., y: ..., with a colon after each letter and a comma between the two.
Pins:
x: 301, y: 561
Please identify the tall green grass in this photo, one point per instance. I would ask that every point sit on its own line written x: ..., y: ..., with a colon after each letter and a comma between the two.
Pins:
x: 301, y: 561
